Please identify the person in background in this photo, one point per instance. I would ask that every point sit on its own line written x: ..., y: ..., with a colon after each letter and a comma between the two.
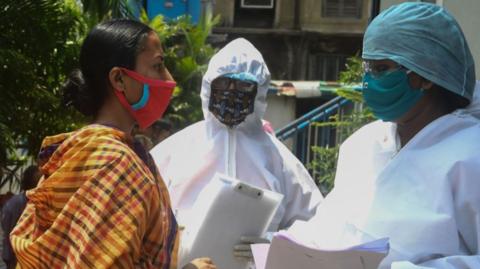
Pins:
x: 12, y: 210
x: 101, y: 202
x: 161, y: 129
x: 267, y: 127
x: 5, y: 197
x: 144, y: 140
x: 231, y: 140
x: 413, y: 176
x: 154, y: 134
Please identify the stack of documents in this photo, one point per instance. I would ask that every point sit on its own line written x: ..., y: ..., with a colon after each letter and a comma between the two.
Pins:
x: 286, y: 253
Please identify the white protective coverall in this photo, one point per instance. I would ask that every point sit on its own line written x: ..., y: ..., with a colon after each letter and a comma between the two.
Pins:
x: 189, y: 159
x: 425, y: 196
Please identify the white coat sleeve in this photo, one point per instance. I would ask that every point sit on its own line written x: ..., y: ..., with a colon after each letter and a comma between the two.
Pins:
x: 465, y: 179
x: 302, y: 196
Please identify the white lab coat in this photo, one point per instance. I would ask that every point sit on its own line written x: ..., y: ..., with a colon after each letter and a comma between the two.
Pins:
x: 425, y: 196
x: 189, y: 159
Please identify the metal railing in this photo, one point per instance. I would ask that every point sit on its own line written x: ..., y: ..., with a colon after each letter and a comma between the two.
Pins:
x: 307, y: 131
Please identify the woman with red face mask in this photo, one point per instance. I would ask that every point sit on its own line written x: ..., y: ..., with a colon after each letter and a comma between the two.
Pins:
x: 101, y: 203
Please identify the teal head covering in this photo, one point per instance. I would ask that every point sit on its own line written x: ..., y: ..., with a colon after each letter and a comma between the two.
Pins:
x: 426, y: 39
x: 245, y: 76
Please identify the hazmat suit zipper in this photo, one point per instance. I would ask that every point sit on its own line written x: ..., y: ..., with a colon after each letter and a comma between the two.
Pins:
x: 231, y: 154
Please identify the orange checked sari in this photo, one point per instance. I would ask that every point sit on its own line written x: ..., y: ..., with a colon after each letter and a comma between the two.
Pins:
x: 98, y: 205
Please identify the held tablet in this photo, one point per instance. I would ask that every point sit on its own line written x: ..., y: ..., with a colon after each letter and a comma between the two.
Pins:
x: 225, y: 210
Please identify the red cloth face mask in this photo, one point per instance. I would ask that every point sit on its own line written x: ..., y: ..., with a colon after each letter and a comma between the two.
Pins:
x: 154, y: 101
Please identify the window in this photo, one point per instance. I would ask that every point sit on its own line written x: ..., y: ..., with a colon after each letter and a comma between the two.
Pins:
x: 257, y: 4
x: 325, y: 67
x: 254, y: 17
x: 342, y: 8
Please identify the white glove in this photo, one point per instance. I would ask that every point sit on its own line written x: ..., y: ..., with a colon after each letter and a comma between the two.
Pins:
x: 243, y: 249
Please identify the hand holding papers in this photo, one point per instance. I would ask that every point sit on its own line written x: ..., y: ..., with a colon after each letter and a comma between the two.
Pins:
x: 285, y: 253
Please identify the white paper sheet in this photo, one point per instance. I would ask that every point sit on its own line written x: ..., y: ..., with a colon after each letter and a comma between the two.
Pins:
x: 260, y: 252
x: 286, y: 253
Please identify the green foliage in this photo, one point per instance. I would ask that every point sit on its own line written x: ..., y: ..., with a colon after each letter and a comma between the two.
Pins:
x: 324, y: 163
x: 39, y: 45
x: 96, y: 11
x: 186, y: 57
x: 354, y: 71
x: 323, y: 166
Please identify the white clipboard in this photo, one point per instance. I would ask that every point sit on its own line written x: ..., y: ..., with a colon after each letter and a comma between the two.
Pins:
x: 225, y: 210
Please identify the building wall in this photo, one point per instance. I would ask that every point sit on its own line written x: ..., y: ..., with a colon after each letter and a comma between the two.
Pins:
x: 384, y: 4
x: 226, y: 10
x: 315, y: 50
x: 280, y: 112
x: 301, y: 57
x: 468, y: 16
x: 310, y: 17
x: 284, y: 14
x: 307, y: 52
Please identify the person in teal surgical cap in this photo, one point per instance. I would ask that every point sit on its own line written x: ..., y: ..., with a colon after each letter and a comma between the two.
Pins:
x: 414, y: 175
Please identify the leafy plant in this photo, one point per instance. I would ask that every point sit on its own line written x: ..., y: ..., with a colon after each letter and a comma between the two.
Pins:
x: 96, y: 11
x: 354, y: 71
x: 324, y: 167
x: 39, y: 44
x: 324, y: 163
x: 186, y: 56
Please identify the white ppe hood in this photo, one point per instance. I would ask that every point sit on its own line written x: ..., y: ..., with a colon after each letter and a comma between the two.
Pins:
x: 189, y: 159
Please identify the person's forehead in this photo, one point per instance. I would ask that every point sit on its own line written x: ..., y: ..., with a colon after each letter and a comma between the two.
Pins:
x: 152, y: 45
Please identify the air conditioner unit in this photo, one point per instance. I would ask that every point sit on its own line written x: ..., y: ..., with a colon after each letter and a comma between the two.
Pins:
x: 257, y: 4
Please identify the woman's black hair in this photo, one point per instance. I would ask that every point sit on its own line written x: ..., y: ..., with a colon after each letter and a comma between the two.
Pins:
x: 451, y: 100
x: 109, y: 44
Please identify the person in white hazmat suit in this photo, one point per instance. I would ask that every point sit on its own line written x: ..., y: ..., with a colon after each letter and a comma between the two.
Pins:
x: 414, y: 175
x: 231, y: 140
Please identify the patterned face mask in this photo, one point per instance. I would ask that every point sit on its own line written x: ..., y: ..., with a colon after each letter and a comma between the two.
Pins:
x: 232, y: 100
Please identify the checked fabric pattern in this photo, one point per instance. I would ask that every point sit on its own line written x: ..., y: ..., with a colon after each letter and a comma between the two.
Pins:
x: 98, y: 205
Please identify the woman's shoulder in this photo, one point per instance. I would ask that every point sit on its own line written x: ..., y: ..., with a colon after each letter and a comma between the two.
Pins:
x: 101, y: 146
x: 371, y: 133
x: 456, y: 132
x: 91, y: 142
